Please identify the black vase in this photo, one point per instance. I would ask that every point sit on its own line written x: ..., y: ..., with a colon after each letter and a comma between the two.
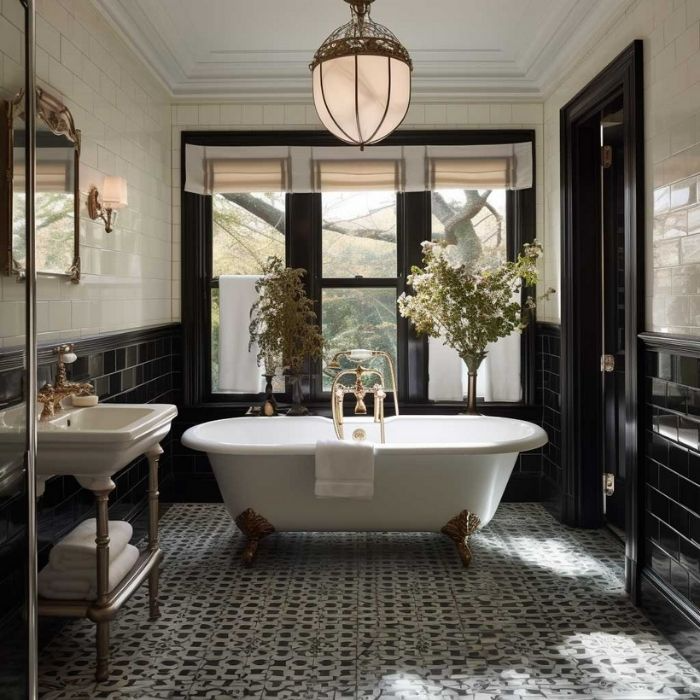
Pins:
x: 297, y: 409
x: 270, y: 407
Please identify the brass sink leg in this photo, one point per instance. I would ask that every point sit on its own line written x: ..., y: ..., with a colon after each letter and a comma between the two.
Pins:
x: 154, y: 576
x: 459, y: 529
x: 254, y: 527
x: 102, y: 671
x: 102, y: 554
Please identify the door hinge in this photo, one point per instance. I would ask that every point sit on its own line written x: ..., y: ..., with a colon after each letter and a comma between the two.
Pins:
x: 607, y: 363
x: 608, y: 484
x: 606, y: 156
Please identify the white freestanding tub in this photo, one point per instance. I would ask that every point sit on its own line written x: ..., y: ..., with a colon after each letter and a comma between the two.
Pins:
x: 430, y: 470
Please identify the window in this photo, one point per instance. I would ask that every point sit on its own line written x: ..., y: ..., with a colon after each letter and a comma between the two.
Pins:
x: 358, y: 247
x: 246, y: 230
x: 359, y: 272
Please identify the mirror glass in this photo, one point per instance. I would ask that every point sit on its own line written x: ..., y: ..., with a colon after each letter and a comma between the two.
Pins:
x: 57, y: 166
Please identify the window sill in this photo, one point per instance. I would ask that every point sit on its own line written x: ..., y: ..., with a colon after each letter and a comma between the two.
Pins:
x: 213, y: 410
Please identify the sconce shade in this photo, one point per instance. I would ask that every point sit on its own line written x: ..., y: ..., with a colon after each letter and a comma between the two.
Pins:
x: 114, y: 193
x: 361, y: 77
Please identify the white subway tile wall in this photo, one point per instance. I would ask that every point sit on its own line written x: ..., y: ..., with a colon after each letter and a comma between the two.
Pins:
x: 132, y: 276
x: 671, y: 33
x: 124, y: 115
x: 252, y: 117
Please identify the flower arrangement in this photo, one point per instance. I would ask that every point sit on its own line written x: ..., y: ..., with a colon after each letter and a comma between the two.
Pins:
x: 284, y: 324
x: 469, y: 307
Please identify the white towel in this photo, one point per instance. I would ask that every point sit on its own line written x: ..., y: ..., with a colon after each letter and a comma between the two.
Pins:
x: 77, y: 549
x: 344, y: 469
x: 81, y: 584
x: 444, y: 372
x: 238, y: 367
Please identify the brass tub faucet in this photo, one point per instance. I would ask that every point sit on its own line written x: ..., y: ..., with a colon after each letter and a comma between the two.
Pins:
x: 358, y: 389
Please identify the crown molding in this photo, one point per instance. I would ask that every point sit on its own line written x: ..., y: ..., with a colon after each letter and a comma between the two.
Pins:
x: 445, y: 76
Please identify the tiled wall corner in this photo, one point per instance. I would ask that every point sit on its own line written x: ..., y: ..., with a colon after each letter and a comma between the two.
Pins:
x: 549, y: 397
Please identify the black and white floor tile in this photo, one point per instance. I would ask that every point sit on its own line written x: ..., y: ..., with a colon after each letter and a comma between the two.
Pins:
x: 541, y: 613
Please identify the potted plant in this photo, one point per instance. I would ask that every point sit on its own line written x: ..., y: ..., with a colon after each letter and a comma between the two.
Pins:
x: 284, y: 325
x: 469, y: 306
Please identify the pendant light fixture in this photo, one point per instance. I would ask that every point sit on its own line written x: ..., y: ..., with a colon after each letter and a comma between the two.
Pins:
x: 361, y: 79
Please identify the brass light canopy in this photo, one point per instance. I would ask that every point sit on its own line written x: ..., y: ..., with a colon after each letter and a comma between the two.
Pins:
x: 361, y: 79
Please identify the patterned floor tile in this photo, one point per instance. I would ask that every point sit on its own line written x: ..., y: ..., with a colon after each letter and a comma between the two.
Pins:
x: 335, y: 616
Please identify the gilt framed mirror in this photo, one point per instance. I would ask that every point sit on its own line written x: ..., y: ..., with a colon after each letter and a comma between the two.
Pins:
x: 57, y: 188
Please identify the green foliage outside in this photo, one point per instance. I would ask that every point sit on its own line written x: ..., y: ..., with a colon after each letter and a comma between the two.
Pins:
x: 358, y: 238
x: 54, y: 230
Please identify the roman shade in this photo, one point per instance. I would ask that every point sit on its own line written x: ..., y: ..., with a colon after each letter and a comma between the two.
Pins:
x: 51, y: 176
x: 340, y: 168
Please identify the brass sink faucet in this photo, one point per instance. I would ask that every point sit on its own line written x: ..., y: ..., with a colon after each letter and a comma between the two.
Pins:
x: 52, y: 395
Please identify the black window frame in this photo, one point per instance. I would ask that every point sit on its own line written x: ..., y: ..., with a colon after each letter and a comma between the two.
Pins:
x: 303, y: 249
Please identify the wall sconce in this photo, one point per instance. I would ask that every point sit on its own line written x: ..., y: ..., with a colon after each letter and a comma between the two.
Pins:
x: 113, y: 198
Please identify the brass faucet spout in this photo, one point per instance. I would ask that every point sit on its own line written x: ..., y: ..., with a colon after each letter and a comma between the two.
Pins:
x: 338, y: 391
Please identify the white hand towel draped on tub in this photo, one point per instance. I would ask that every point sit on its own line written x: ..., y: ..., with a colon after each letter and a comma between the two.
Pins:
x: 81, y: 584
x: 344, y: 470
x: 238, y: 367
x: 77, y: 549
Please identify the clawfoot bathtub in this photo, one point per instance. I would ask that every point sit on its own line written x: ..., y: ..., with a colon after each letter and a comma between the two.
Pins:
x: 434, y: 473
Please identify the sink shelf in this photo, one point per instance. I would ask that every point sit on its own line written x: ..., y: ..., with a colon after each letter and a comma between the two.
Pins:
x: 120, y: 594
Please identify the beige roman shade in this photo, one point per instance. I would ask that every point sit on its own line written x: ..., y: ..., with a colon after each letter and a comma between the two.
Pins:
x: 470, y: 173
x: 342, y: 168
x: 51, y: 176
x: 247, y: 175
x: 349, y: 175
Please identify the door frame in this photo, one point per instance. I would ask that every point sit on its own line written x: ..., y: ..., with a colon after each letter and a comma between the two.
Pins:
x: 582, y: 501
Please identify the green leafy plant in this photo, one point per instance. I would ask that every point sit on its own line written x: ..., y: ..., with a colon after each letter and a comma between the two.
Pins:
x: 467, y: 305
x: 283, y: 321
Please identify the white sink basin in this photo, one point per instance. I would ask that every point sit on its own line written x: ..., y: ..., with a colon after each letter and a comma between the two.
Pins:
x: 105, y: 422
x: 94, y: 443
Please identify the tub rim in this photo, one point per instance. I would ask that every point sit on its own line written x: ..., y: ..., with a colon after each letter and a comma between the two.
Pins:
x: 536, y: 438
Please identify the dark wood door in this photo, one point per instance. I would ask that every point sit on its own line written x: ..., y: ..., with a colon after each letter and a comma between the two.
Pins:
x: 613, y: 316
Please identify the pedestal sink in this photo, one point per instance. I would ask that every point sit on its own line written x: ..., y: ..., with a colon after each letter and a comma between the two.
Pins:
x: 94, y: 443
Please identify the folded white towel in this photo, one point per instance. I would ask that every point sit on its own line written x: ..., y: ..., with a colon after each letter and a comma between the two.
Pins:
x: 82, y: 584
x: 77, y: 549
x: 344, y: 469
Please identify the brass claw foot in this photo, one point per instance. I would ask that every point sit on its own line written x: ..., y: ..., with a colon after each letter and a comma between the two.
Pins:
x: 459, y: 529
x: 254, y: 527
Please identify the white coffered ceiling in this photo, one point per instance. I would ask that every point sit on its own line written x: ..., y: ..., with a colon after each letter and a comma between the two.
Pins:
x: 260, y: 49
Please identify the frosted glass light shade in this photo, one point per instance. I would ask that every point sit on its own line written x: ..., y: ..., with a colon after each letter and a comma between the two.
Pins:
x: 361, y: 98
x: 114, y: 192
